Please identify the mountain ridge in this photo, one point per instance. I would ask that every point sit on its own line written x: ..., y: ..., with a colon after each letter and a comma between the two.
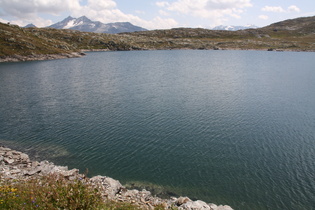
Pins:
x: 84, y: 24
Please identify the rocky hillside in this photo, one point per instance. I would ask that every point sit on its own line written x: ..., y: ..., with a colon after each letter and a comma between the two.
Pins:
x: 22, y: 41
x: 33, y: 43
x: 299, y: 25
x: 290, y: 35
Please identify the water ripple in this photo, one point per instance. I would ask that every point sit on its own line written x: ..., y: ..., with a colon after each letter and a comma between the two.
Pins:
x: 230, y: 127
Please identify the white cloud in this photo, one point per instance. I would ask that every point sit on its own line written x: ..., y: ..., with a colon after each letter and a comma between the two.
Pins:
x: 112, y: 14
x: 160, y: 23
x: 195, y: 6
x: 228, y: 4
x: 279, y: 9
x: 99, y: 5
x: 293, y: 8
x: 263, y: 17
x: 215, y: 11
x: 4, y: 21
x: 164, y: 13
x: 23, y: 8
x: 37, y: 21
x: 22, y: 12
x: 140, y: 12
x: 272, y: 9
x: 162, y: 3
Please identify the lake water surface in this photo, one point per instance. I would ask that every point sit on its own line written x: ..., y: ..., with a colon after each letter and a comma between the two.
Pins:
x: 228, y: 127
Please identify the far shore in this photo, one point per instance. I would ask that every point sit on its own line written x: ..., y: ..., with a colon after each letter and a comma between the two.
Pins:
x: 41, y: 57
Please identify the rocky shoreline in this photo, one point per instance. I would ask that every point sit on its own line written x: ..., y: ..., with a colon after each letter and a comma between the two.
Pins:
x: 15, y: 165
x: 40, y: 57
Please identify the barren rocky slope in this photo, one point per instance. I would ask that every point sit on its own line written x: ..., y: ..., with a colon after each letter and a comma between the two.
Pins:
x: 32, y: 43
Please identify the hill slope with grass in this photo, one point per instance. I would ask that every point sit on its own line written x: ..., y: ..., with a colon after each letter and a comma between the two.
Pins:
x: 289, y: 35
x: 33, y: 43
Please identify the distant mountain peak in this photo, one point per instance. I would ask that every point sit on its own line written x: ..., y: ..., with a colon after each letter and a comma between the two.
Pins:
x: 85, y: 24
x: 84, y: 19
x: 69, y: 18
x: 233, y: 28
x: 31, y: 25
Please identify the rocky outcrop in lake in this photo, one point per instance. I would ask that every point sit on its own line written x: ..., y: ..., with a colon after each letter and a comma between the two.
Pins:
x: 18, y: 166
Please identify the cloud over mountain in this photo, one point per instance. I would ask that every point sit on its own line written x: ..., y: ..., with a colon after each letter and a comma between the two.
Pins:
x: 22, y: 8
x: 208, y: 9
x: 101, y: 10
x: 291, y: 8
x: 154, y: 14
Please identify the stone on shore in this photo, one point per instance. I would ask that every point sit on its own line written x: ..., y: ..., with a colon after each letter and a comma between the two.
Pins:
x: 195, y: 205
x: 17, y: 165
x: 182, y: 200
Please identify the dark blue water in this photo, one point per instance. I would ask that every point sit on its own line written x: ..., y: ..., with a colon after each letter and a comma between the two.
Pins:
x: 228, y: 127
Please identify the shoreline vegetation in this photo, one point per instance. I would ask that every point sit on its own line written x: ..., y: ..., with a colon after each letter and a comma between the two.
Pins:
x: 24, y: 44
x: 27, y: 184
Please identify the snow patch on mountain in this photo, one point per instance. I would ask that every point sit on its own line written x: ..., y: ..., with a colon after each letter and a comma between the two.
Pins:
x: 87, y: 25
x: 69, y: 24
x: 233, y: 28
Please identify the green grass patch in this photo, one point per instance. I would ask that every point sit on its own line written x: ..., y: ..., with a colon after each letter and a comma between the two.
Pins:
x: 54, y: 192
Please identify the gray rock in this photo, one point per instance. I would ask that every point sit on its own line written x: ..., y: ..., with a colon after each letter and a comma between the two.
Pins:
x: 8, y: 160
x: 9, y: 153
x: 34, y: 164
x: 44, y: 168
x: 181, y: 200
x: 5, y: 149
x: 31, y: 172
x: 16, y: 153
x: 110, y: 186
x: 113, y: 185
x: 195, y: 205
x: 15, y: 171
x: 24, y: 158
x: 69, y: 174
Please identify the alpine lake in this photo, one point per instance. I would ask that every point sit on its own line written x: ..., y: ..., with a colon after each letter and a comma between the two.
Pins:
x: 227, y: 127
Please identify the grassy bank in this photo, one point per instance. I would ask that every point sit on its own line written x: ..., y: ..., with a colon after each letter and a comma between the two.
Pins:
x: 54, y: 192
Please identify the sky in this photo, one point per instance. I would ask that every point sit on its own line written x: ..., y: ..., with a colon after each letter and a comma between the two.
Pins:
x: 157, y: 14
